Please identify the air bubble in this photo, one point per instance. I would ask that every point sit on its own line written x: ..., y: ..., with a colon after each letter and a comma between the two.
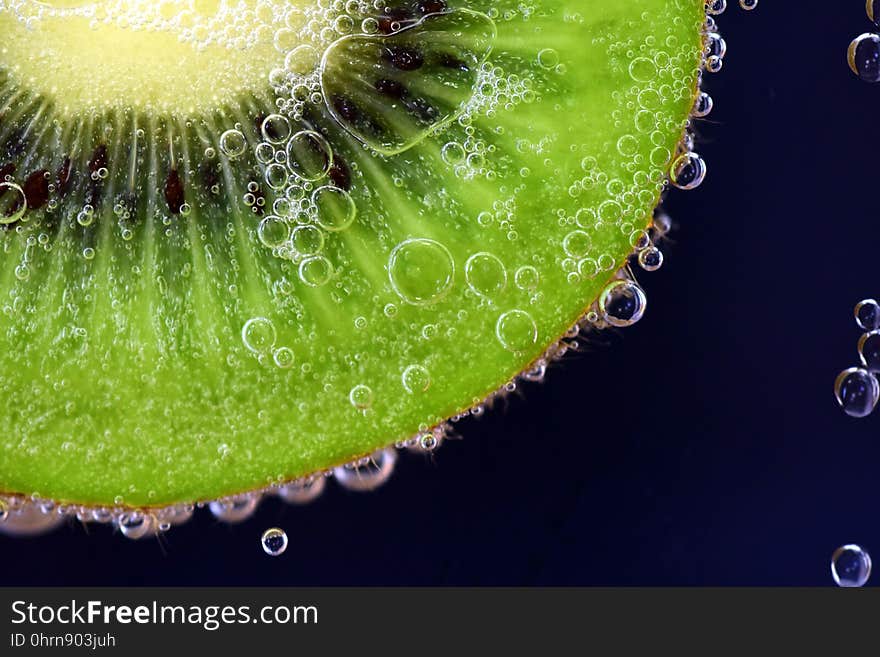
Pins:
x: 303, y: 491
x: 273, y: 231
x: 857, y: 391
x: 336, y: 208
x: 421, y: 271
x: 283, y: 357
x: 275, y: 129
x: 315, y: 271
x: 548, y: 58
x: 258, y: 335
x: 516, y: 331
x: 864, y: 57
x: 274, y: 541
x: 234, y: 510
x: 135, y: 525
x: 867, y: 314
x: 622, y: 303
x: 309, y: 156
x: 850, y: 566
x: 307, y: 240
x: 361, y: 397
x: 416, y: 379
x: 13, y: 203
x: 233, y: 144
x: 650, y: 259
x: 527, y: 278
x: 485, y: 274
x: 369, y: 474
x: 688, y: 171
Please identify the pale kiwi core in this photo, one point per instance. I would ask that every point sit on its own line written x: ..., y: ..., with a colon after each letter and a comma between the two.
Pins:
x: 89, y: 61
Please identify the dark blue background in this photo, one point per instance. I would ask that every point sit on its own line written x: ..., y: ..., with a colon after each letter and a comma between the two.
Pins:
x: 703, y: 446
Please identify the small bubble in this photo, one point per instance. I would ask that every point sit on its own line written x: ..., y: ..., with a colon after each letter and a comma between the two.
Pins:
x: 622, y: 303
x: 315, y: 271
x: 688, y: 171
x: 283, y: 357
x: 857, y: 391
x: 485, y: 274
x: 336, y: 208
x: 867, y: 314
x: 416, y: 379
x: 527, y: 278
x: 421, y: 271
x: 749, y: 5
x: 850, y: 566
x: 651, y: 259
x: 13, y: 203
x: 233, y: 144
x: 864, y: 57
x: 548, y: 58
x: 309, y: 156
x: 361, y: 397
x: 273, y: 231
x: 274, y: 542
x: 516, y: 330
x: 258, y: 335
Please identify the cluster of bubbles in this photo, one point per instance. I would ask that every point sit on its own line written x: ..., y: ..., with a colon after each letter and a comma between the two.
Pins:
x: 857, y: 389
x: 231, y: 24
x: 863, y: 54
x: 850, y: 566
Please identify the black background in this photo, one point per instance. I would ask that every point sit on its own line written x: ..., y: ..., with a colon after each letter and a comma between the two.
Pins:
x: 703, y: 446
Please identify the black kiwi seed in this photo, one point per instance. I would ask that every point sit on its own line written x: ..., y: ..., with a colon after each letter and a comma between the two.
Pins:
x: 431, y: 6
x: 390, y: 88
x: 404, y: 58
x: 36, y: 189
x: 174, y: 193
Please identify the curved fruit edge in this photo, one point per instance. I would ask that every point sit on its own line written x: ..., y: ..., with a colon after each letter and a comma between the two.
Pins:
x: 24, y: 516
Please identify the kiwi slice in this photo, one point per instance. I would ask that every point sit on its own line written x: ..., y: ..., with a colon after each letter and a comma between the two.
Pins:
x: 248, y: 241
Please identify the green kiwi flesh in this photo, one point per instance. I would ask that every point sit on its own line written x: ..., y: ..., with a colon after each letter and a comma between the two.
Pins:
x: 181, y: 320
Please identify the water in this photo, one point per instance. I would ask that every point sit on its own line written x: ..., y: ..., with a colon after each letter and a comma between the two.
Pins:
x: 850, y: 566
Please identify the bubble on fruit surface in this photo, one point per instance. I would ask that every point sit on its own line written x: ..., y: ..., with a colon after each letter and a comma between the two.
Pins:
x: 416, y: 379
x: 516, y: 331
x: 485, y: 274
x: 274, y: 541
x: 307, y: 240
x: 336, y: 208
x: 688, y: 171
x: 850, y: 566
x: 283, y: 357
x: 421, y: 271
x: 13, y: 203
x: 309, y: 155
x: 857, y: 391
x: 273, y: 231
x: 302, y: 491
x: 315, y: 271
x: 135, y: 525
x: 369, y: 473
x: 867, y: 314
x: 258, y: 335
x: 234, y: 510
x: 275, y: 129
x: 361, y: 397
x: 233, y: 144
x: 622, y: 303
